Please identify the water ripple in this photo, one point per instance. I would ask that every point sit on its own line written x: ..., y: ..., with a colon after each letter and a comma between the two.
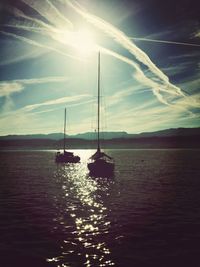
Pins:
x: 83, y: 203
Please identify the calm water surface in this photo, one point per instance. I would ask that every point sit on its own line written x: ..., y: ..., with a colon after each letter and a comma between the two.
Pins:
x: 56, y: 215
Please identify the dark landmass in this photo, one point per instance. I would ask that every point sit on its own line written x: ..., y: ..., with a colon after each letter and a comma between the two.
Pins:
x: 107, y: 135
x: 58, y: 136
x: 170, y: 138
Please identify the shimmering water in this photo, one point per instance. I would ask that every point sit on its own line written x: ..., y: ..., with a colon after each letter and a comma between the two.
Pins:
x: 56, y: 215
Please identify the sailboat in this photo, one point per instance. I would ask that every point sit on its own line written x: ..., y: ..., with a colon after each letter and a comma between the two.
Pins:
x: 66, y: 156
x: 100, y: 165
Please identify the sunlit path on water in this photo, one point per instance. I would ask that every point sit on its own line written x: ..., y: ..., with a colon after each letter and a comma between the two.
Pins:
x: 56, y: 215
x: 83, y: 217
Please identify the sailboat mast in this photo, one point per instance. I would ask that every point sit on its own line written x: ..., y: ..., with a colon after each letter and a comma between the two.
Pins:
x: 98, y: 112
x: 64, y: 130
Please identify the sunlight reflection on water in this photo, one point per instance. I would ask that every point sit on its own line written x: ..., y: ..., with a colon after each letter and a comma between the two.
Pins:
x: 57, y: 216
x: 84, y: 206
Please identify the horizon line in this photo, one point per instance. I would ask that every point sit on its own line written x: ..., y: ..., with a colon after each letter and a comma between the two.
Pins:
x: 27, y: 134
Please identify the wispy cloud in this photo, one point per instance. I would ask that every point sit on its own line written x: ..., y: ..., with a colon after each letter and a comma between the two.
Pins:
x: 9, y: 87
x: 145, y: 71
x: 158, y: 82
x: 190, y: 55
x: 38, y: 44
x: 197, y: 34
x: 192, y: 83
x: 120, y: 37
x: 76, y: 99
x: 149, y: 116
x: 20, y: 119
x: 164, y: 41
x: 50, y: 12
x: 177, y: 68
x: 19, y: 58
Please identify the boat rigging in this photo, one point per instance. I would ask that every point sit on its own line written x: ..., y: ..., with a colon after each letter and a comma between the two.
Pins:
x: 101, y: 164
x: 66, y: 156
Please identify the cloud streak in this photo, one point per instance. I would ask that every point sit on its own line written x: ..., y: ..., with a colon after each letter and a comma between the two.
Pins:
x: 77, y: 99
x: 120, y: 37
x: 164, y: 41
x: 22, y: 116
x: 158, y: 81
x: 7, y: 88
x: 50, y: 12
x: 61, y: 30
x: 37, y: 44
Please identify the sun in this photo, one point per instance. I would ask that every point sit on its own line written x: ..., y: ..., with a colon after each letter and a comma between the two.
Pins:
x: 83, y: 41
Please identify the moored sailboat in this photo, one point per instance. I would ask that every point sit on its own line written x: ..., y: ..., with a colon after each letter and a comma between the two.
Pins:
x: 100, y: 165
x: 66, y: 156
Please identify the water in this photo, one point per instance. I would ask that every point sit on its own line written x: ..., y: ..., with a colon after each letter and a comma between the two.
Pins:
x: 148, y: 215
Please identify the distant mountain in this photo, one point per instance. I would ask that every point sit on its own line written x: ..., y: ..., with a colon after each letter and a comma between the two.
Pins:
x: 104, y: 135
x: 52, y: 136
x: 170, y: 138
x: 58, y: 136
x: 171, y: 132
x: 184, y: 132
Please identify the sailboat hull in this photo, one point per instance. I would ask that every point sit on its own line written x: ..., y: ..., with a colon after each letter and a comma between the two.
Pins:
x: 101, y: 165
x: 66, y: 156
x: 62, y: 158
x: 101, y: 168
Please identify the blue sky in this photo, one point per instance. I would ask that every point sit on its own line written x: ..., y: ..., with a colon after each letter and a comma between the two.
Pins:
x: 150, y: 65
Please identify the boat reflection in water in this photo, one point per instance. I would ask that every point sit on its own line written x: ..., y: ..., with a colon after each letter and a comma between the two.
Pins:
x: 83, y: 218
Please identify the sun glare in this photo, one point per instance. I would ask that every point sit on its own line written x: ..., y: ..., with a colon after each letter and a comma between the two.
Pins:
x: 82, y: 40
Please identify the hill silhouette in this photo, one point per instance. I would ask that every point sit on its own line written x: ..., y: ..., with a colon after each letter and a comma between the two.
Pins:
x: 107, y: 135
x: 169, y: 138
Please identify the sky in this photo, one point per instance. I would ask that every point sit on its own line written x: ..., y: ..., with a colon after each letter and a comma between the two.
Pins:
x: 150, y: 65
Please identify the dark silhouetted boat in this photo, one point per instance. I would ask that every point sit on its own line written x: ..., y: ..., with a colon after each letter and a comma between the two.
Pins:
x: 66, y: 156
x: 100, y: 165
